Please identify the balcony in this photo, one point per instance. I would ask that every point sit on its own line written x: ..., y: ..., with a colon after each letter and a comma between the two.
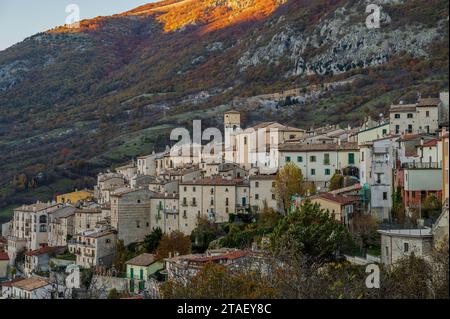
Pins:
x: 80, y: 243
x: 427, y: 165
x: 171, y: 211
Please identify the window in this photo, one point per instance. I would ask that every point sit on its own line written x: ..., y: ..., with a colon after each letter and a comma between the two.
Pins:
x: 300, y: 159
x: 313, y: 159
x: 138, y: 201
x: 410, y: 128
x: 384, y: 132
x: 256, y: 184
x: 256, y: 196
x: 397, y: 129
x: 326, y: 159
x: 351, y: 158
x: 245, y: 140
x: 288, y: 159
x: 313, y: 171
x: 212, y: 202
x: 185, y: 188
x: 427, y: 113
x: 397, y: 116
x: 227, y: 202
x: 273, y: 196
x: 194, y: 189
x: 410, y: 115
x: 406, y: 247
x: 327, y: 171
x: 385, y: 195
x: 291, y: 137
x: 362, y: 156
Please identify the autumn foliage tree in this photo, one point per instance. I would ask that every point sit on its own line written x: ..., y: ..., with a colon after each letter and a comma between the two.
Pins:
x: 175, y: 243
x: 288, y: 182
x: 219, y: 282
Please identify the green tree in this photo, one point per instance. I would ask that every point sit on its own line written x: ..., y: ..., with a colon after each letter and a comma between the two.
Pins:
x: 288, y: 182
x: 151, y: 241
x: 336, y: 182
x: 205, y: 232
x: 121, y: 257
x: 312, y: 232
x: 432, y: 207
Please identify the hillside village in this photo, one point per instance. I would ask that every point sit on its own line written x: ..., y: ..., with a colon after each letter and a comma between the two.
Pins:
x: 394, y: 170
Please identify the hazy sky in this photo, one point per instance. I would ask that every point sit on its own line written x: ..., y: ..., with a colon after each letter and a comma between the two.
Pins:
x: 20, y: 19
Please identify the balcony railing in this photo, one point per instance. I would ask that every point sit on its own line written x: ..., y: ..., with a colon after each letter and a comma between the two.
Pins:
x: 419, y: 165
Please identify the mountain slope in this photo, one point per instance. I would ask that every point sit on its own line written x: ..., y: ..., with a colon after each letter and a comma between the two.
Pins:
x: 67, y: 93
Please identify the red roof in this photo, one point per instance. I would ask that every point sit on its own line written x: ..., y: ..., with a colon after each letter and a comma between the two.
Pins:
x: 215, y: 181
x: 430, y: 143
x: 3, y: 256
x: 40, y: 251
x: 10, y: 283
x: 341, y: 199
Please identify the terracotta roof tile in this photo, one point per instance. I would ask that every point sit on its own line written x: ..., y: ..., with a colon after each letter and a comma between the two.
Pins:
x: 3, y: 256
x: 30, y: 284
x: 142, y: 260
x: 215, y: 181
x: 341, y: 199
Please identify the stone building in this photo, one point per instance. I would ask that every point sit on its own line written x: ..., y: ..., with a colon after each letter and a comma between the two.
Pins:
x: 262, y: 193
x: 130, y: 214
x: 213, y: 198
x: 95, y: 247
x: 61, y: 226
x: 399, y: 243
x: 420, y: 117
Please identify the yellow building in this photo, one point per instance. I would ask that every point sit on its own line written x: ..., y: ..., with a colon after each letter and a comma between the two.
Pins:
x: 341, y: 207
x: 74, y: 197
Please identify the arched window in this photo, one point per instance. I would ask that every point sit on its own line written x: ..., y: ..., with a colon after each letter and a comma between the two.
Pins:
x: 42, y: 219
